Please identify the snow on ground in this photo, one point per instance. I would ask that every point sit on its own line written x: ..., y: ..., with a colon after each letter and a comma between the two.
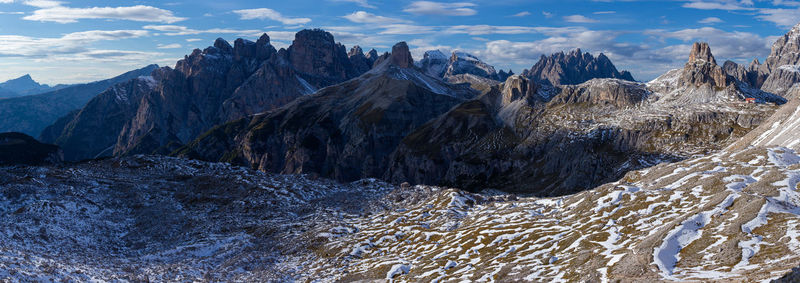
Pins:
x: 726, y: 216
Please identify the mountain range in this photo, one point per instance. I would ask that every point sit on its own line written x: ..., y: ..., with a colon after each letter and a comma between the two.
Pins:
x: 33, y: 113
x: 246, y: 162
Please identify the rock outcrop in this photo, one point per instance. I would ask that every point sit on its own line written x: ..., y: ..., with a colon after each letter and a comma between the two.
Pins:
x: 465, y: 63
x: 21, y: 149
x: 702, y: 69
x: 361, y: 64
x: 574, y: 68
x: 434, y: 63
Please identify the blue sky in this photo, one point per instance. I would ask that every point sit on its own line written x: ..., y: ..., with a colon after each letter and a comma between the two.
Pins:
x: 75, y: 41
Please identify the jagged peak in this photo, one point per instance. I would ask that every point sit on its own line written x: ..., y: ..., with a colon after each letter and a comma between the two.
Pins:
x: 314, y: 33
x: 701, y: 52
x: 435, y: 54
x: 372, y: 54
x: 355, y: 51
x: 222, y: 45
x: 401, y: 56
x: 263, y: 40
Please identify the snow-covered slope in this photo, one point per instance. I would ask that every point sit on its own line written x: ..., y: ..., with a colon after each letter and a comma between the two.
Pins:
x: 727, y: 216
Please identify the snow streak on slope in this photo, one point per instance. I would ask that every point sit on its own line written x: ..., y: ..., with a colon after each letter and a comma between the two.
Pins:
x: 727, y: 216
x: 717, y: 218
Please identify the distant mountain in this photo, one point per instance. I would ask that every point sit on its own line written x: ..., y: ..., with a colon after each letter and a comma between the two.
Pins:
x: 436, y: 64
x: 31, y: 114
x: 24, y: 85
x: 164, y: 111
x: 346, y: 131
x: 574, y: 68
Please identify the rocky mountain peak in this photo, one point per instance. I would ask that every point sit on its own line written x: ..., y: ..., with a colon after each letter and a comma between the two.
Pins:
x: 754, y: 64
x: 785, y: 51
x: 315, y: 53
x: 701, y: 52
x: 260, y: 50
x: 401, y: 56
x: 702, y: 69
x: 434, y: 63
x: 355, y: 51
x: 373, y: 54
x: 573, y: 68
x: 360, y: 62
x: 465, y: 63
x: 223, y: 45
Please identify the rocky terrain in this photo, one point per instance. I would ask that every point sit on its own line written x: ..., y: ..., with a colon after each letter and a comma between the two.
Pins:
x: 728, y: 216
x: 32, y: 114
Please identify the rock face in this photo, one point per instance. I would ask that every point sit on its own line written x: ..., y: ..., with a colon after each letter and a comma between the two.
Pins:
x: 702, y: 69
x: 464, y: 63
x: 208, y: 87
x: 782, y: 62
x: 32, y: 114
x: 750, y: 75
x: 361, y: 64
x: 785, y: 51
x: 21, y: 149
x: 434, y: 63
x: 346, y: 131
x: 782, y: 79
x: 315, y: 54
x: 573, y: 68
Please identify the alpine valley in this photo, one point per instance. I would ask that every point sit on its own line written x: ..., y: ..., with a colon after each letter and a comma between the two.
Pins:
x: 247, y: 162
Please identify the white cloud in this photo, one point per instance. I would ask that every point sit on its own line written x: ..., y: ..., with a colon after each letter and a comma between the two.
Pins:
x: 362, y: 17
x: 362, y: 3
x: 727, y: 5
x: 169, y: 46
x: 173, y: 30
x: 405, y: 29
x: 604, y: 12
x: 547, y: 14
x: 73, y: 44
x: 139, y: 13
x: 711, y: 20
x: 727, y: 45
x: 266, y: 13
x: 438, y: 8
x: 579, y: 19
x: 522, y: 14
x: 781, y: 17
x: 487, y: 29
x: 193, y: 39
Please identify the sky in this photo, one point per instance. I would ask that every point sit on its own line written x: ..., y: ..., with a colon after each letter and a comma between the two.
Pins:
x: 75, y: 41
